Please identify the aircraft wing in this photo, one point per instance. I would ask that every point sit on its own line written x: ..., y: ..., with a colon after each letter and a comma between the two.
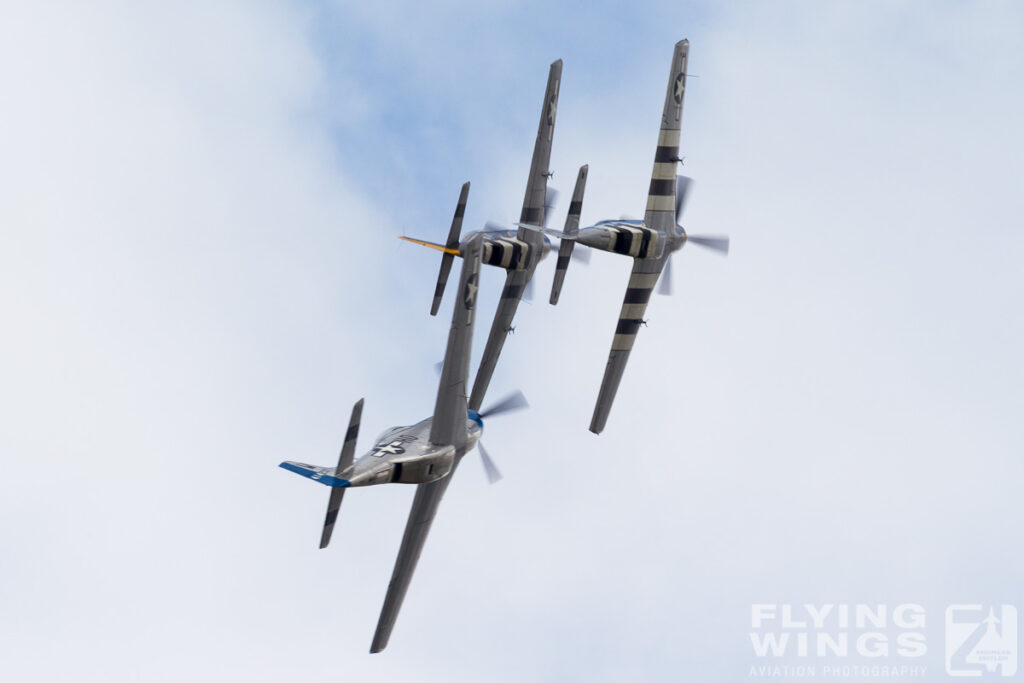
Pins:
x: 641, y: 283
x: 661, y: 198
x: 448, y: 427
x: 424, y: 507
x: 511, y: 294
x: 531, y: 217
x: 449, y: 423
x: 536, y: 185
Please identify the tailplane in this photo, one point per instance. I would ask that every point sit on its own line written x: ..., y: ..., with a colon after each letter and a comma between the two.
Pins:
x: 452, y: 244
x: 572, y: 227
x: 335, y: 477
x: 449, y: 250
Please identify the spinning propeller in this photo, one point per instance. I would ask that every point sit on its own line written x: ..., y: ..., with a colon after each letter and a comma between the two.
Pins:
x: 717, y: 243
x: 511, y: 403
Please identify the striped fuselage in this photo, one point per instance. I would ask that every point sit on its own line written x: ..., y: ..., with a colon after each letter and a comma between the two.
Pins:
x: 647, y: 245
x: 504, y: 249
x: 631, y: 238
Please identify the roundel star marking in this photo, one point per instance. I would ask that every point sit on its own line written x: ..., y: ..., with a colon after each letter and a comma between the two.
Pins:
x: 677, y: 90
x: 552, y: 109
x: 469, y: 295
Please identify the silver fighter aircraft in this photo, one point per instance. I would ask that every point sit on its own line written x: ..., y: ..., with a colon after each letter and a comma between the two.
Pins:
x: 426, y: 453
x: 518, y: 251
x: 649, y: 242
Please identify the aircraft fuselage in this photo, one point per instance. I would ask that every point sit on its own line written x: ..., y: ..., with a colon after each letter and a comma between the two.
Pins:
x: 400, y: 455
x: 631, y: 238
x: 504, y: 249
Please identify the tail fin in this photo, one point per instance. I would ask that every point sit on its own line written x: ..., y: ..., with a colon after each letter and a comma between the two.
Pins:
x: 572, y: 226
x: 333, y: 476
x: 449, y: 422
x: 661, y: 199
x: 452, y: 245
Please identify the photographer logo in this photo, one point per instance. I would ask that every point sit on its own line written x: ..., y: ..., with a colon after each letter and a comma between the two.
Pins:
x: 981, y: 640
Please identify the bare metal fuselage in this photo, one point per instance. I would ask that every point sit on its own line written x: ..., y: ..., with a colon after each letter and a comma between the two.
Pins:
x: 401, y: 455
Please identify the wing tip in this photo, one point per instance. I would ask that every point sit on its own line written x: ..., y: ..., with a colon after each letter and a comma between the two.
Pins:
x: 380, y: 642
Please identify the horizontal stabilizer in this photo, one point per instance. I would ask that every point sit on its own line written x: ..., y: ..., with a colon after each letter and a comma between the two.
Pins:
x: 451, y: 249
x: 345, y: 459
x: 324, y: 475
x: 572, y: 228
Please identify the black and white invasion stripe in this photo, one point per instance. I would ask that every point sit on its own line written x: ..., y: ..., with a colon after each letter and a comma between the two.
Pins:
x: 638, y: 294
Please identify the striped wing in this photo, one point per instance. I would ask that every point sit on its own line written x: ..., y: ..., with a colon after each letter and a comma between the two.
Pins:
x: 515, y: 282
x: 661, y: 198
x: 536, y: 184
x: 641, y: 284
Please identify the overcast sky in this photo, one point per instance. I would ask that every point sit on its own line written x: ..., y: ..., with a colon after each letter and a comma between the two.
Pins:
x: 199, y: 275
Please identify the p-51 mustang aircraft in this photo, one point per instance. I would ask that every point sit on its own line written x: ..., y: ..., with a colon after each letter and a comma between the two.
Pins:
x: 649, y: 242
x: 426, y: 453
x: 517, y: 251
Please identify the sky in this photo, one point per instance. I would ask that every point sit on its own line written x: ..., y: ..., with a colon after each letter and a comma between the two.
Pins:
x: 199, y: 275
